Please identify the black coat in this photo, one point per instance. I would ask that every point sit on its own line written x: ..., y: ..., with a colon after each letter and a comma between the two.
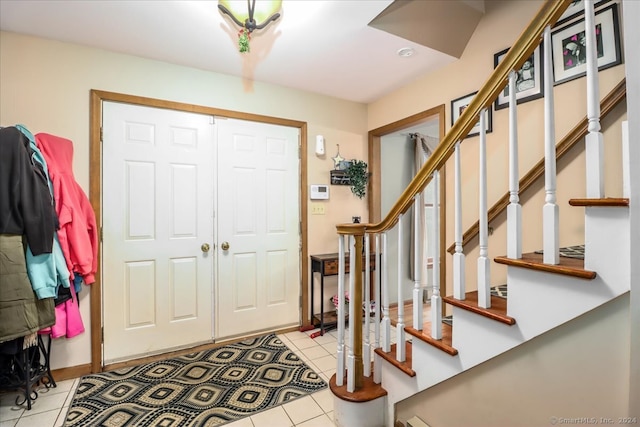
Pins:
x: 25, y: 201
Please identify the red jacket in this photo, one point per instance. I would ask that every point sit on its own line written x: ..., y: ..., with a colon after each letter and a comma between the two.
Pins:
x: 78, y: 232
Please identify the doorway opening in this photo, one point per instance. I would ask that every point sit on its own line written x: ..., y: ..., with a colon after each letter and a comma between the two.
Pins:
x: 391, y: 156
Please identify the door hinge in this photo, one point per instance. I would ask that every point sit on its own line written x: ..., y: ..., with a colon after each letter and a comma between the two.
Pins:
x: 101, y: 134
x: 101, y: 234
x: 102, y: 333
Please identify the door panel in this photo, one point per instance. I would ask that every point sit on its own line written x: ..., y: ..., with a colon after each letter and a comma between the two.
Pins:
x: 157, y: 212
x: 258, y: 215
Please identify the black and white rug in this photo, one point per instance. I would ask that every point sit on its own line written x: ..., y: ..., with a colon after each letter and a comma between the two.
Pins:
x: 207, y: 388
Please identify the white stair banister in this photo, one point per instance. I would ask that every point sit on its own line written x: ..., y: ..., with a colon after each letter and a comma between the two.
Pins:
x: 514, y: 210
x: 340, y: 367
x: 351, y: 358
x: 386, y: 321
x: 458, y: 256
x: 366, y: 345
x: 377, y: 371
x: 484, y: 294
x: 400, y: 335
x: 594, y: 141
x: 436, y: 300
x: 418, y: 211
x: 626, y: 170
x: 550, y: 212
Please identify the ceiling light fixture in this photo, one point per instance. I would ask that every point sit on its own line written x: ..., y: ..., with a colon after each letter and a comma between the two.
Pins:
x: 247, y: 19
x: 405, y: 52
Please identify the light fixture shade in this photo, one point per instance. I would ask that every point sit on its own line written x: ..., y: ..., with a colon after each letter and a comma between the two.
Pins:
x: 264, y: 9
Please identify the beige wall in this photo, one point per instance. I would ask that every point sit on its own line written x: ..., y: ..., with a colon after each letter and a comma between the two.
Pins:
x: 45, y: 85
x: 580, y: 369
x: 467, y: 75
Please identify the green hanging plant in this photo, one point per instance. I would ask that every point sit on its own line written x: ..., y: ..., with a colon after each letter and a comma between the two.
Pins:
x: 358, y: 177
x: 243, y: 40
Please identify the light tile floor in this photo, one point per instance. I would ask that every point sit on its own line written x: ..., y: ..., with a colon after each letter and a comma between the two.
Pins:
x: 315, y: 410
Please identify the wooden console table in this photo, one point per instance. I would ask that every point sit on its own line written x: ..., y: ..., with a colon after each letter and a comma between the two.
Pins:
x: 327, y: 265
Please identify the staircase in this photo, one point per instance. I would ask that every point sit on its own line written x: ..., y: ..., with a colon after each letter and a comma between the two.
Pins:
x: 546, y: 288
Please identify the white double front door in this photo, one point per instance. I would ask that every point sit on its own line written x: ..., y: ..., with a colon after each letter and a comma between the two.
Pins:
x: 200, y: 229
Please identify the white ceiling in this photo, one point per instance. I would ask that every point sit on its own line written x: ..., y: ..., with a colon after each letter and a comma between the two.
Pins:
x: 322, y: 46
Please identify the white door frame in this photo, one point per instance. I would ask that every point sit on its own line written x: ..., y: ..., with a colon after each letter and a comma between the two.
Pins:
x: 95, y: 196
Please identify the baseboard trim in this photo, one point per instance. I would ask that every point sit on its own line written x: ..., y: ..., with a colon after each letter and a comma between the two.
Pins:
x: 71, y: 372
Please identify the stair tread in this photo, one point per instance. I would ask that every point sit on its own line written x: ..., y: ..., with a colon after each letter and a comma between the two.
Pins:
x: 445, y: 344
x: 607, y: 201
x: 498, y: 310
x: 390, y: 357
x: 567, y: 266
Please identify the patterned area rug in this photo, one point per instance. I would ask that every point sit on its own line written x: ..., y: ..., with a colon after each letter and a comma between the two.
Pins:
x: 207, y: 388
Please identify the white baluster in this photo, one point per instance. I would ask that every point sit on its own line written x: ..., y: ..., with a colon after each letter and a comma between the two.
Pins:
x: 386, y: 321
x: 459, y: 292
x: 366, y: 346
x: 626, y: 163
x: 594, y: 141
x: 514, y: 210
x: 351, y: 358
x: 436, y: 300
x: 377, y: 370
x: 400, y: 347
x: 417, y: 261
x: 550, y: 212
x: 340, y: 368
x: 484, y: 295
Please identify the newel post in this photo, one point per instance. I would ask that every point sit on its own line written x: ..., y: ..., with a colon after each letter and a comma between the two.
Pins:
x: 355, y: 315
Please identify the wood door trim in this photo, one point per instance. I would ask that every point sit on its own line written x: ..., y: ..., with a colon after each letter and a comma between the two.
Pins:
x: 375, y: 163
x: 95, y: 192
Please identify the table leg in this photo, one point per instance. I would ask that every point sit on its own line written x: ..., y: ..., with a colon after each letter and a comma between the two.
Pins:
x: 322, y: 303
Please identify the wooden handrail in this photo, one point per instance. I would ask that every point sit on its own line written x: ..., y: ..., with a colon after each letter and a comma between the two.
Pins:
x: 575, y: 135
x: 524, y: 46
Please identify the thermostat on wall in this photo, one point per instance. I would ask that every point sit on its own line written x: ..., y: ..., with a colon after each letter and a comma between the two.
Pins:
x: 319, y: 192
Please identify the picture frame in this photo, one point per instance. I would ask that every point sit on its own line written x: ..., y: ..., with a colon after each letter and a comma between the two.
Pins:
x: 529, y: 82
x: 567, y: 46
x: 575, y: 9
x: 457, y: 107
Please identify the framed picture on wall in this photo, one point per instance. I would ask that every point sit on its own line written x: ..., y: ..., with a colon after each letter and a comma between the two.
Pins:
x: 568, y: 46
x: 458, y: 106
x: 575, y: 9
x: 529, y: 81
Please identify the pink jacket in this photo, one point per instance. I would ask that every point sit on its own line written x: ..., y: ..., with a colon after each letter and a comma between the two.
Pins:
x: 68, y: 319
x: 78, y: 232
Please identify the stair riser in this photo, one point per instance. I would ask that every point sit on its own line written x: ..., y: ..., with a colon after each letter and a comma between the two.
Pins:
x: 541, y: 301
x: 478, y: 338
x: 427, y: 355
x: 398, y: 385
x: 607, y: 243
